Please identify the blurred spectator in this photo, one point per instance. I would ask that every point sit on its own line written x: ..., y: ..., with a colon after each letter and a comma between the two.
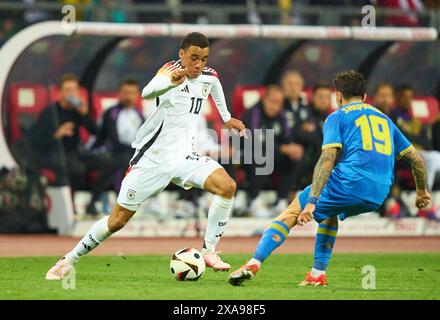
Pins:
x: 409, y: 17
x: 430, y: 213
x: 394, y: 207
x: 112, y: 11
x: 56, y: 138
x: 119, y: 126
x: 300, y: 121
x: 269, y: 114
x: 384, y: 97
x: 7, y: 30
x: 401, y: 115
x: 33, y: 14
x: 321, y: 102
x: 435, y: 4
x: 310, y: 136
x: 79, y: 7
x: 294, y: 105
x: 415, y: 131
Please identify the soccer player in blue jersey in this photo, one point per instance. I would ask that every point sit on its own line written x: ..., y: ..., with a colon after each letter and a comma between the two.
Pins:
x: 366, y: 141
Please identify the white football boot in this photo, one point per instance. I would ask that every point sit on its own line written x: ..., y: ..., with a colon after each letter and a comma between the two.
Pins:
x: 59, y: 270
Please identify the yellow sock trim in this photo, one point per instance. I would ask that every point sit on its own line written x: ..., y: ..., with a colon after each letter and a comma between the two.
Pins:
x: 332, y: 233
x: 279, y: 228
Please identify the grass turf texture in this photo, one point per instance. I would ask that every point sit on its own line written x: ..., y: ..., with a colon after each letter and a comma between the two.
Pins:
x: 398, y: 276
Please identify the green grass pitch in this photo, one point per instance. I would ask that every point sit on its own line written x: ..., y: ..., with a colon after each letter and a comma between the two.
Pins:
x: 398, y: 276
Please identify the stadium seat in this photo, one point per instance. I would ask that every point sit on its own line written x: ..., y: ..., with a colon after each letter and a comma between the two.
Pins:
x: 425, y: 108
x: 101, y: 101
x: 245, y: 97
x: 26, y: 100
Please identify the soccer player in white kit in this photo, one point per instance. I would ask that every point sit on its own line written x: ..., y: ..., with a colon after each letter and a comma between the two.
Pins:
x: 166, y: 152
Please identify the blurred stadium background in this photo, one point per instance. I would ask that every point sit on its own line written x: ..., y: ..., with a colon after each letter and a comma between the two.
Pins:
x: 254, y: 44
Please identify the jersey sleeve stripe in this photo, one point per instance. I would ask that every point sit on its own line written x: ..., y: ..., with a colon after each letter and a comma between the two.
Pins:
x: 332, y: 145
x: 209, y: 72
x: 404, y: 151
x: 168, y: 68
x: 166, y: 71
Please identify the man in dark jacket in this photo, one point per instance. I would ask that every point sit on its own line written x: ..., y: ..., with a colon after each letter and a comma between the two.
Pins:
x: 384, y: 98
x: 119, y: 126
x: 56, y: 139
x: 416, y: 132
x: 269, y: 114
x: 295, y: 106
x: 321, y: 102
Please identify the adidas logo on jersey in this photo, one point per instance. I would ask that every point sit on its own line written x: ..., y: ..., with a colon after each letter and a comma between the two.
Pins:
x: 185, y: 89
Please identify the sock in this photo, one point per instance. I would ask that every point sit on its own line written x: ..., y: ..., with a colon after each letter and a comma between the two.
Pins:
x: 97, y: 233
x: 272, y: 238
x: 218, y: 217
x: 254, y: 261
x: 316, y: 273
x: 325, y: 240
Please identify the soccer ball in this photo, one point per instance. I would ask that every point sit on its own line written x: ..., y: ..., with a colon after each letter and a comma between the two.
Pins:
x: 187, y: 264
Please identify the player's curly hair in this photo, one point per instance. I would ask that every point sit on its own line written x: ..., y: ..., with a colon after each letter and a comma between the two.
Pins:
x: 194, y: 39
x: 350, y: 83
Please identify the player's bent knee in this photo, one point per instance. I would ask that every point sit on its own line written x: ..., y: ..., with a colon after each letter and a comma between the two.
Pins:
x: 332, y: 222
x: 291, y: 213
x: 118, y: 219
x: 116, y: 224
x: 228, y: 188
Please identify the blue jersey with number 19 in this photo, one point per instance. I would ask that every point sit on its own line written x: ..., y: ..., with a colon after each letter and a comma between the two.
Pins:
x: 370, y: 141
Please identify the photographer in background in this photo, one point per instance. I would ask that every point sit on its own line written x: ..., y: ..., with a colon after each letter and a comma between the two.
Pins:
x: 56, y: 140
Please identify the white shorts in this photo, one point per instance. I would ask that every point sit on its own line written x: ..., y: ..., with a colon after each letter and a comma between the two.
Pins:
x: 147, y: 178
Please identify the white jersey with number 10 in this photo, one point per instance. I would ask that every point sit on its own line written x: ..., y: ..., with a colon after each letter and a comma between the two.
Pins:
x: 170, y: 133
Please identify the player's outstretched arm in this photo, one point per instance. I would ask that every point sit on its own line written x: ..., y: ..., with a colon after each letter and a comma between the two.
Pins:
x: 321, y: 173
x: 220, y: 101
x: 163, y: 82
x: 419, y: 173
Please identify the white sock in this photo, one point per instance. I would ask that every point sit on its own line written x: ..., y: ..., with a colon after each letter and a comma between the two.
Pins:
x: 97, y: 233
x: 218, y: 217
x: 316, y: 273
x: 254, y: 261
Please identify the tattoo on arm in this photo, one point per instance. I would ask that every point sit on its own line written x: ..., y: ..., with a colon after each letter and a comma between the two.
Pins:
x: 417, y: 168
x: 323, y: 170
